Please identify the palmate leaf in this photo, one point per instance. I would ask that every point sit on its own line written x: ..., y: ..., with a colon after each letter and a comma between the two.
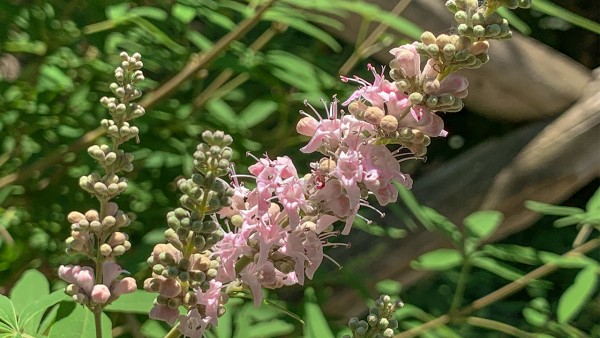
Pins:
x: 8, y: 315
x: 79, y: 322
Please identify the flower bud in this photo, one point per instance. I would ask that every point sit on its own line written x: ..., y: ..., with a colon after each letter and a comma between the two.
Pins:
x: 415, y: 98
x: 105, y: 250
x: 373, y: 115
x: 389, y: 123
x: 119, y: 250
x: 427, y: 38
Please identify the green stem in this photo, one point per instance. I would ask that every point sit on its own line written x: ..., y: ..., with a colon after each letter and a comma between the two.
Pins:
x: 174, y: 333
x: 98, y: 320
x: 460, y: 286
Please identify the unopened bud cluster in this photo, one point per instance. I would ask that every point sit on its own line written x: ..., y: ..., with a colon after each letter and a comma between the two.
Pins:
x: 379, y: 322
x: 184, y: 270
x: 97, y: 233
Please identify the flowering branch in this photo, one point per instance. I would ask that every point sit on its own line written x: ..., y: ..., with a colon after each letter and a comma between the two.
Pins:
x: 96, y: 234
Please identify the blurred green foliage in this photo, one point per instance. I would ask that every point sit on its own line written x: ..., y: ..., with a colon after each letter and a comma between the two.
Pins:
x: 56, y: 61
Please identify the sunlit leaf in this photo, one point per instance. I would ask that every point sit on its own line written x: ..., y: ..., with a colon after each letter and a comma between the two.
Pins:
x: 8, y: 314
x: 316, y: 324
x: 576, y: 296
x: 139, y: 301
x: 549, y: 209
x: 79, y: 323
x: 482, y: 224
x: 438, y: 260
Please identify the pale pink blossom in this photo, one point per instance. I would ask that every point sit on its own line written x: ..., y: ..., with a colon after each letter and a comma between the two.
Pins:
x: 164, y: 313
x: 407, y: 59
x: 193, y: 324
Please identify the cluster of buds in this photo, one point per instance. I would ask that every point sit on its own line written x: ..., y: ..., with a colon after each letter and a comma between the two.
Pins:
x: 97, y: 233
x: 184, y: 270
x: 379, y: 323
x: 479, y: 20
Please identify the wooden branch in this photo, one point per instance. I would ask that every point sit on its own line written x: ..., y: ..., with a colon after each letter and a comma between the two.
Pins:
x: 547, y: 161
x: 524, y: 80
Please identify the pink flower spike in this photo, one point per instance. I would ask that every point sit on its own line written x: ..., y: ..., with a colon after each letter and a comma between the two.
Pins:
x: 100, y: 293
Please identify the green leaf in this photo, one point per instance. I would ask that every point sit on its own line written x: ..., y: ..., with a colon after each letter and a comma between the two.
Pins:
x: 139, y: 301
x: 53, y: 79
x: 8, y: 314
x: 316, y: 324
x: 183, y: 13
x: 551, y: 9
x: 222, y: 112
x: 304, y: 27
x: 576, y: 296
x: 443, y: 225
x: 568, y: 262
x: 514, y: 20
x: 33, y: 313
x: 513, y: 253
x: 79, y: 323
x: 272, y: 328
x: 549, y: 209
x: 569, y: 220
x: 594, y: 202
x: 534, y: 317
x: 438, y: 260
x: 389, y: 287
x: 482, y: 224
x: 257, y: 112
x: 503, y: 270
x: 158, y: 35
x: 153, y: 329
x: 32, y: 286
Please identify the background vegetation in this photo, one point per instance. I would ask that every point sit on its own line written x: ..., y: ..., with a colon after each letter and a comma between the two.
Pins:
x: 56, y: 61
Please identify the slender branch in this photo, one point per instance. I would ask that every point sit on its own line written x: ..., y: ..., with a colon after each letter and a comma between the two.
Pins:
x: 174, y: 333
x: 371, y: 39
x: 499, y: 326
x: 501, y: 293
x: 196, y: 62
x: 225, y: 75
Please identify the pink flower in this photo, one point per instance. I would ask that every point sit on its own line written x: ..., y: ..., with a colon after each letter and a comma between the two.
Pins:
x: 100, y: 293
x: 164, y: 313
x: 211, y: 299
x: 407, y: 59
x: 193, y: 324
x: 328, y: 133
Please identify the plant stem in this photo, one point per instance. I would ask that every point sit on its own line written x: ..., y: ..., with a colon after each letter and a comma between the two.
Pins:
x: 460, y: 286
x: 499, y: 294
x: 499, y: 326
x: 98, y: 320
x: 174, y: 333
